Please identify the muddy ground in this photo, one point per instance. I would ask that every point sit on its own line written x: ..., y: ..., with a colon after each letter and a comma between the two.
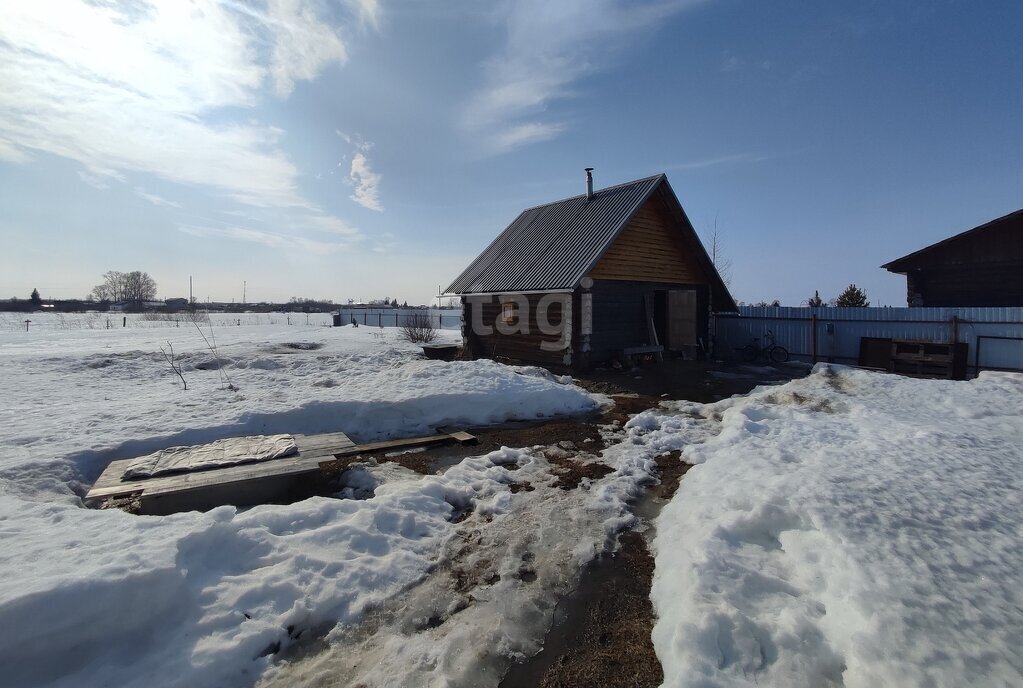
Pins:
x: 602, y: 631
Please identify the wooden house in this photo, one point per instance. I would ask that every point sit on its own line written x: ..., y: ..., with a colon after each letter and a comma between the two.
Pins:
x: 980, y: 267
x: 599, y: 276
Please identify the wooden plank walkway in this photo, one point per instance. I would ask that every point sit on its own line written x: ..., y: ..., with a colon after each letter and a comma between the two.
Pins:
x: 242, y: 484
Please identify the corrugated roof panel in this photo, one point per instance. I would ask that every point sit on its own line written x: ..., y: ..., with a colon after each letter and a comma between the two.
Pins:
x: 552, y: 246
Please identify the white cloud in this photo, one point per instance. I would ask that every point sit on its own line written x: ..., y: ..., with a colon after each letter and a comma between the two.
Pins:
x: 328, y: 223
x: 154, y: 199
x: 143, y: 87
x: 302, y: 44
x: 549, y: 46
x: 367, y: 183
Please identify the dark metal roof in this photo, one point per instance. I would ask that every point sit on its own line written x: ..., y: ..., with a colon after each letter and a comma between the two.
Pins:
x: 901, y: 265
x: 553, y: 246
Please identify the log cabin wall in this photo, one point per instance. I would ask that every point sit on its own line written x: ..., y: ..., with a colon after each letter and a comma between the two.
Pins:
x: 650, y: 249
x: 999, y: 284
x: 529, y: 346
x: 983, y: 267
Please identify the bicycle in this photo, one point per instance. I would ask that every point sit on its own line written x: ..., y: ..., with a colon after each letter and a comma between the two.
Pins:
x: 770, y: 351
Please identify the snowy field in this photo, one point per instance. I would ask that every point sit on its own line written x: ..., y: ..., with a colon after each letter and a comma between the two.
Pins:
x: 849, y: 528
x: 105, y: 598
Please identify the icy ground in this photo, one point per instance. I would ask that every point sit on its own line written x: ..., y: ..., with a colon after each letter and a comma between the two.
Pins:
x: 849, y: 528
x: 104, y: 598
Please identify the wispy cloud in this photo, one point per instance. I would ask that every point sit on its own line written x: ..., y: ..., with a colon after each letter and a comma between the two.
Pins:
x: 274, y: 240
x: 95, y: 181
x: 715, y: 162
x: 731, y: 62
x: 549, y: 46
x: 361, y: 176
x: 367, y: 183
x: 328, y: 223
x: 154, y: 199
x: 386, y: 243
x: 133, y: 87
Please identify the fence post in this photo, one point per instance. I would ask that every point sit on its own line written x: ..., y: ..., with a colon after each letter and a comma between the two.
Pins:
x: 813, y: 337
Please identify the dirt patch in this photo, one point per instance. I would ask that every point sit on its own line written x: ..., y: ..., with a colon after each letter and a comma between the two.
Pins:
x: 701, y: 381
x: 671, y: 468
x: 420, y: 462
x: 303, y: 346
x: 571, y: 472
x: 612, y: 619
x: 628, y: 405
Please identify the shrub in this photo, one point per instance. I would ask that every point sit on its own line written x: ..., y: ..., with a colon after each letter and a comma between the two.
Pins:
x: 418, y: 329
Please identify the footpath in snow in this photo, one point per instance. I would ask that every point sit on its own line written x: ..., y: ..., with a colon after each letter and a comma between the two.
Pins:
x: 850, y: 528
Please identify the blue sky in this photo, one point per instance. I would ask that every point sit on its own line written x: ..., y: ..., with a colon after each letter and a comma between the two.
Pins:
x: 366, y: 148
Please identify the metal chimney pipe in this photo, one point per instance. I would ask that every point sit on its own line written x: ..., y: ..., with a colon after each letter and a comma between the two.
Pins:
x: 589, y: 183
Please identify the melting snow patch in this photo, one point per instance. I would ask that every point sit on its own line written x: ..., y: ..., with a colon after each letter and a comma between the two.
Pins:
x: 850, y: 528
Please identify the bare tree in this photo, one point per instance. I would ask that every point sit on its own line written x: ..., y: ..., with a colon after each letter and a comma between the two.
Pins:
x: 132, y: 288
x: 139, y: 287
x: 722, y: 264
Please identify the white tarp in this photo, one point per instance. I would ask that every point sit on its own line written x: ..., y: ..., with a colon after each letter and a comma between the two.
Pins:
x: 226, y: 452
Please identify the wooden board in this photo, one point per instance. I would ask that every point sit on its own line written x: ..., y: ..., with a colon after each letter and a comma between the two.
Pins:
x: 247, y: 483
x: 460, y: 437
x: 310, y: 447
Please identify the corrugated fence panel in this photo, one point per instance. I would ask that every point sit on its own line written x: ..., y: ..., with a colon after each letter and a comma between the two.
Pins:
x: 442, y: 318
x: 998, y: 331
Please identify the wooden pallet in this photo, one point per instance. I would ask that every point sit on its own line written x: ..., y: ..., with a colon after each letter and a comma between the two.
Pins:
x: 243, y: 484
x: 922, y: 359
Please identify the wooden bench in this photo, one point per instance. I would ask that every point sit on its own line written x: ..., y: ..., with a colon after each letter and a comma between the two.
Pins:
x: 630, y: 351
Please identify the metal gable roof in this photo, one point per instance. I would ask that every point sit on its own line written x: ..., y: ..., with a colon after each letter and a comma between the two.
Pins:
x: 905, y: 263
x: 553, y: 246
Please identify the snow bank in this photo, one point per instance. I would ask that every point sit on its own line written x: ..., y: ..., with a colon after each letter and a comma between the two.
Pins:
x: 850, y: 528
x: 104, y: 598
x: 81, y: 398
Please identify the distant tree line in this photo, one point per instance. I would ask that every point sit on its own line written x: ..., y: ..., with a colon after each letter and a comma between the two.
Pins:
x: 852, y: 296
x: 133, y: 289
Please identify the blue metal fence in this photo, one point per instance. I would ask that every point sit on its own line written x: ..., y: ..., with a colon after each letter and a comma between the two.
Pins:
x: 994, y: 335
x: 442, y: 318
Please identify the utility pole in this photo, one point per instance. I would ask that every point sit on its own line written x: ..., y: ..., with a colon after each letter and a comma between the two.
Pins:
x: 243, y: 292
x: 190, y: 299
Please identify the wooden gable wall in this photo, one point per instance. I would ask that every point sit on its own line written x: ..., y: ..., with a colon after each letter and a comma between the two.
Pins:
x: 650, y: 249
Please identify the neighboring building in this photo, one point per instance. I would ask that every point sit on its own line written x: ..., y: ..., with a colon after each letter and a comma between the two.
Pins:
x: 591, y: 278
x: 980, y: 267
x: 176, y: 303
